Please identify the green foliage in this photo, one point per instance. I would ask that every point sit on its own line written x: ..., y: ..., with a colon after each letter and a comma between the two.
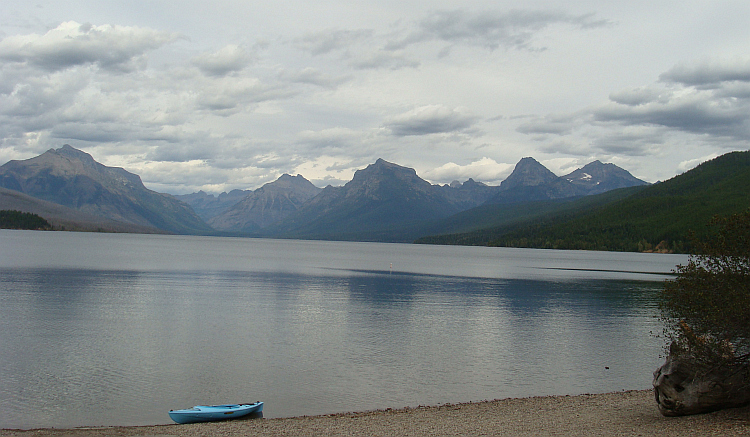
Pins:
x: 707, y: 306
x: 22, y: 220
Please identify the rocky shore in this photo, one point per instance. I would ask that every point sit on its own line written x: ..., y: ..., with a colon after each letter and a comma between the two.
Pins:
x: 631, y: 413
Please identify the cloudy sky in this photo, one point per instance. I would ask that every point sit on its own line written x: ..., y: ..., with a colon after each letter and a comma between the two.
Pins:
x: 232, y: 93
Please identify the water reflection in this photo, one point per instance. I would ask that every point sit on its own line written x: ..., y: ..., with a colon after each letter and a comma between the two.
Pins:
x: 121, y: 347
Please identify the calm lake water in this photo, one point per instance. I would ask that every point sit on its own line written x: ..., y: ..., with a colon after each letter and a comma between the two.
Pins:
x: 107, y: 329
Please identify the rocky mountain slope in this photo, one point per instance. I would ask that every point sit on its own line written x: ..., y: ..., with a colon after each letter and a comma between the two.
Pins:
x: 596, y: 177
x: 379, y: 198
x: 531, y: 181
x: 208, y: 206
x: 267, y: 205
x: 72, y: 178
x: 64, y: 218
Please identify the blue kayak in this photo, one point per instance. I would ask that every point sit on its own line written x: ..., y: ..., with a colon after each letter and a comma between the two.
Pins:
x: 210, y: 413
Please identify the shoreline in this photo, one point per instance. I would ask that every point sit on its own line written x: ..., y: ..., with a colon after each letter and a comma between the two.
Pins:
x: 624, y: 413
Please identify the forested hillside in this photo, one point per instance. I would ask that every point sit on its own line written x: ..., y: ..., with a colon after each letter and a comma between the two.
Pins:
x: 22, y: 220
x: 659, y: 217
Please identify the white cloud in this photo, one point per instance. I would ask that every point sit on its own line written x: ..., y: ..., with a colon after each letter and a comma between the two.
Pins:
x: 692, y: 163
x: 484, y: 170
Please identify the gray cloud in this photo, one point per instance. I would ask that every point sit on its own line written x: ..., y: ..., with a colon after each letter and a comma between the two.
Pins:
x: 115, y: 48
x: 698, y: 115
x: 566, y: 147
x: 332, y: 139
x: 431, y: 119
x: 92, y: 132
x: 229, y: 95
x: 383, y: 59
x: 639, y: 141
x: 708, y: 102
x: 491, y: 28
x: 707, y: 74
x: 330, y: 40
x: 35, y: 96
x: 314, y: 76
x: 640, y: 96
x: 365, y: 49
x: 557, y: 124
x: 229, y: 59
x: 185, y: 151
x: 358, y: 48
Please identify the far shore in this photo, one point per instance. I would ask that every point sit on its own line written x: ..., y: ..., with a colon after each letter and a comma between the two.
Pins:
x: 628, y: 413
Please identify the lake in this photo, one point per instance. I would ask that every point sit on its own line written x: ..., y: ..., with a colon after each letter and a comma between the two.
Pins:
x: 117, y: 329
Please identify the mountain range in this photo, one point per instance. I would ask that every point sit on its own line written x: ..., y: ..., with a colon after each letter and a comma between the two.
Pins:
x: 531, y: 181
x: 388, y: 202
x: 382, y: 202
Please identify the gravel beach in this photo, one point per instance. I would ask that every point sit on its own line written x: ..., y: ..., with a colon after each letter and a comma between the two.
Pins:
x: 631, y: 413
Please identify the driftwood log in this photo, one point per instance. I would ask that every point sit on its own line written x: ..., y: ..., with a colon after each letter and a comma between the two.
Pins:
x: 686, y: 385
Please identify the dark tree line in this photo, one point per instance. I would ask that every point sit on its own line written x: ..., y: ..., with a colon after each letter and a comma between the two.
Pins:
x: 22, y: 220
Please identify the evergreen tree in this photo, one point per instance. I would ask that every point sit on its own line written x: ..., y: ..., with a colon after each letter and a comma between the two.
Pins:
x: 22, y: 220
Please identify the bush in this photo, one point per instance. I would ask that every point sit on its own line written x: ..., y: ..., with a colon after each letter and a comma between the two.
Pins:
x: 707, y: 306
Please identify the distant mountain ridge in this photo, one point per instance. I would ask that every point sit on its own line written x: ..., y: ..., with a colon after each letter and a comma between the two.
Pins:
x: 527, y: 173
x: 265, y: 206
x: 388, y: 202
x: 531, y: 181
x: 658, y: 217
x: 596, y: 177
x: 382, y: 202
x: 208, y: 206
x: 379, y: 198
x: 597, y: 207
x: 72, y: 178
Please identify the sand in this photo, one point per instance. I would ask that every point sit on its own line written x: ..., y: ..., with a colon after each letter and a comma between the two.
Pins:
x: 631, y: 413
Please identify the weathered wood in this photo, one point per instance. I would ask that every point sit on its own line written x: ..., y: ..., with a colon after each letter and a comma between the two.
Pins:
x: 685, y: 385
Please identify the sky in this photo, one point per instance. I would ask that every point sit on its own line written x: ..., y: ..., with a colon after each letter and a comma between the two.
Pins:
x: 231, y: 94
